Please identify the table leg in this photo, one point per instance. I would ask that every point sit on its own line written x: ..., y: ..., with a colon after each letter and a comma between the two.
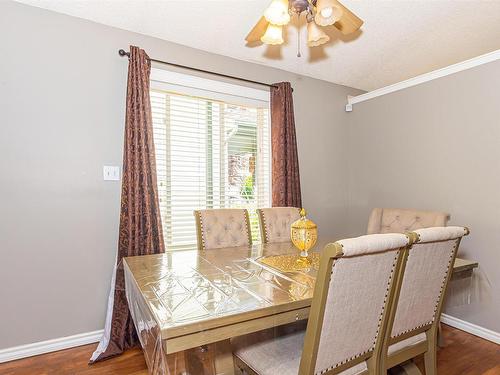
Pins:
x: 212, y: 359
x: 175, y: 363
x: 200, y: 360
x: 224, y: 364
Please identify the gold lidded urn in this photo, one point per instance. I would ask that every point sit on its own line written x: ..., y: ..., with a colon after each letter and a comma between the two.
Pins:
x: 304, y: 234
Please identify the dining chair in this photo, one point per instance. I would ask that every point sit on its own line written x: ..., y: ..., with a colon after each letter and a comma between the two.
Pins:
x: 400, y: 220
x: 413, y: 329
x: 223, y: 227
x: 275, y: 223
x: 349, y: 312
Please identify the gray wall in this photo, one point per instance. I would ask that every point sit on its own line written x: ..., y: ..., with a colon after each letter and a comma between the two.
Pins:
x: 436, y: 146
x: 62, y: 96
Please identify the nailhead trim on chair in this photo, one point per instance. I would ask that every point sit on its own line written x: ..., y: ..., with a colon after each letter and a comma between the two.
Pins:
x: 263, y: 223
x: 266, y: 236
x: 201, y: 230
x: 413, y: 329
x: 455, y: 248
x: 379, y: 320
x: 247, y: 227
x: 385, y: 299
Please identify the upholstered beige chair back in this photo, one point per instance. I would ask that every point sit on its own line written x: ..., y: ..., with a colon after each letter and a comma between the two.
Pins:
x: 427, y: 272
x: 351, y: 303
x: 218, y: 228
x: 275, y: 223
x: 399, y: 220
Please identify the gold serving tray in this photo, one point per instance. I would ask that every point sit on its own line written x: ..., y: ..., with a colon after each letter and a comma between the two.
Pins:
x: 288, y: 262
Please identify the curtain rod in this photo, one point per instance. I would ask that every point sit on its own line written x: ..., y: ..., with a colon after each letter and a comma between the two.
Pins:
x: 123, y: 53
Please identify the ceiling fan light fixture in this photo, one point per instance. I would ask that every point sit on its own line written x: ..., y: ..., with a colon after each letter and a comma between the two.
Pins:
x: 315, y: 35
x: 327, y: 12
x: 273, y: 35
x: 318, y: 13
x: 277, y: 12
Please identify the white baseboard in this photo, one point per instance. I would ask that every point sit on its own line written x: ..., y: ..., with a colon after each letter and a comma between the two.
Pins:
x: 48, y: 346
x: 484, y: 333
x: 29, y: 350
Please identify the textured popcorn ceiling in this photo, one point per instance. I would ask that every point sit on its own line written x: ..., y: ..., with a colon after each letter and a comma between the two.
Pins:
x: 399, y: 40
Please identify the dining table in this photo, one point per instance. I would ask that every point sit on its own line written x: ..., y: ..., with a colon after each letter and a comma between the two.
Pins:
x: 187, y: 304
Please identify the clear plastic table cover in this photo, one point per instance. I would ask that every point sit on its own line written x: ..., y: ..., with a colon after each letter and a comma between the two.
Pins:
x: 184, y: 292
x: 469, y: 287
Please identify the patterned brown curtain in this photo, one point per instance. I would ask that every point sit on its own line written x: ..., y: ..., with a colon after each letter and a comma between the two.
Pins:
x: 286, y: 179
x: 140, y: 222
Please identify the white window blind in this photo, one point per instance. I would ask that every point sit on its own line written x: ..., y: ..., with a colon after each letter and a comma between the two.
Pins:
x: 210, y: 153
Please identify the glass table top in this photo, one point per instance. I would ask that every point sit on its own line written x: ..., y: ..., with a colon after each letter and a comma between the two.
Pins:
x: 186, y: 287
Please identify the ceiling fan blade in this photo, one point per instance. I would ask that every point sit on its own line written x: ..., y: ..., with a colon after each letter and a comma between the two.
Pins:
x: 258, y: 30
x: 349, y: 22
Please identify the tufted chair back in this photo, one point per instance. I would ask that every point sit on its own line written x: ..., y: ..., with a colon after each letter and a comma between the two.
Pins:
x: 224, y: 227
x: 275, y: 223
x: 399, y: 220
x: 352, y: 301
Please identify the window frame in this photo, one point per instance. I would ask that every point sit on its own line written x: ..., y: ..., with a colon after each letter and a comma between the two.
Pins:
x: 216, y: 90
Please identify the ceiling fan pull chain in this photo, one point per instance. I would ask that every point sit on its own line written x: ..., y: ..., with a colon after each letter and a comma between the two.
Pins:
x: 298, y: 39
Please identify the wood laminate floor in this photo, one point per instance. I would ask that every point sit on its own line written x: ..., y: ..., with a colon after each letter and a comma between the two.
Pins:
x: 464, y: 354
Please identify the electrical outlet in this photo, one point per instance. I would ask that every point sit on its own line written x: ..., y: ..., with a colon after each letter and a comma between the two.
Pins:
x: 111, y: 173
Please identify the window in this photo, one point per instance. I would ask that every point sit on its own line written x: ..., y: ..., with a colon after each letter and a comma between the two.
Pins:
x: 212, y: 143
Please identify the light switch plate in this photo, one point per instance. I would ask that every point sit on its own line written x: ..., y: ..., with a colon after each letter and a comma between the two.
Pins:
x: 111, y: 173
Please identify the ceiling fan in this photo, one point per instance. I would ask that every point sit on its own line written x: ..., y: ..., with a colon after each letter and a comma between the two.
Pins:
x: 269, y: 29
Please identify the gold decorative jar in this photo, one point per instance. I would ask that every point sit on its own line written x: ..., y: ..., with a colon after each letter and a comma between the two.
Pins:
x: 304, y: 235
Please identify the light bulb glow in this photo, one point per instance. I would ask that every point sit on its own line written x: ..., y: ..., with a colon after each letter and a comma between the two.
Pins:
x: 315, y: 35
x: 327, y: 12
x: 277, y: 12
x: 273, y: 35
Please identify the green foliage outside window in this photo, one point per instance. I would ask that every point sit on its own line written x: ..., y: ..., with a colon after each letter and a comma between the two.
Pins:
x: 247, y: 188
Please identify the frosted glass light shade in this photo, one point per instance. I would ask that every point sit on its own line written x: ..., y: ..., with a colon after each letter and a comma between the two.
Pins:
x: 273, y: 35
x: 315, y: 36
x: 327, y: 12
x: 277, y: 12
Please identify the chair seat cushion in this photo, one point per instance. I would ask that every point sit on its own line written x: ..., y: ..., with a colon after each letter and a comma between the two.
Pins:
x: 406, y: 343
x: 268, y: 354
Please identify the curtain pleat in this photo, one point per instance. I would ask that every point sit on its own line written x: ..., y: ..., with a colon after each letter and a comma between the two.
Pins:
x: 140, y: 222
x: 285, y: 160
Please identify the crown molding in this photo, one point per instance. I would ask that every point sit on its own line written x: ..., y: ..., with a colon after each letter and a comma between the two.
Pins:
x: 435, y: 74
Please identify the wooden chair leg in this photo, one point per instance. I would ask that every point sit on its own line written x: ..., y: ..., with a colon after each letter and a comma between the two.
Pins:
x: 430, y: 361
x: 440, y: 339
x: 430, y: 356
